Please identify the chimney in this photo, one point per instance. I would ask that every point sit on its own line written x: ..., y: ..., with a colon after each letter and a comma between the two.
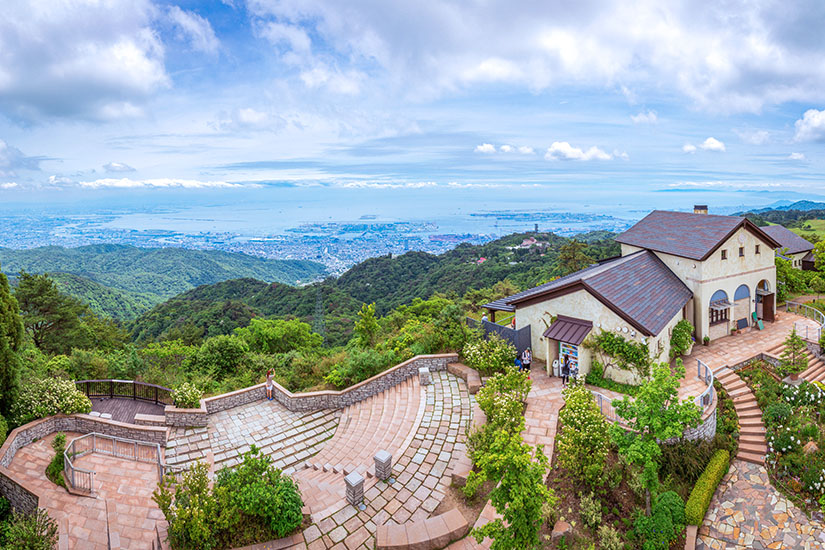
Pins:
x: 700, y: 208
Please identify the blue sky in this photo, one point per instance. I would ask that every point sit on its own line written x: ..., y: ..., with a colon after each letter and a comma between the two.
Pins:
x: 193, y: 98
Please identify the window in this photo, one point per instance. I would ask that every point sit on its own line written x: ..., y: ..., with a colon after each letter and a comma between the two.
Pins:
x: 724, y: 254
x: 741, y: 251
x: 718, y: 316
x: 756, y: 250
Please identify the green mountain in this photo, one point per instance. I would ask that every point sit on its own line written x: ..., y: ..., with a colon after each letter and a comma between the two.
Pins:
x: 124, y: 281
x: 389, y: 281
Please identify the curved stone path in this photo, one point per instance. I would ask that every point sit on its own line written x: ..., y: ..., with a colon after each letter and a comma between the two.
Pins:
x: 748, y: 512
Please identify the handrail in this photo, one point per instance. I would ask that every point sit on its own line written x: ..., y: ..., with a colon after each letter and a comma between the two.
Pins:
x: 810, y: 313
x: 119, y: 447
x: 130, y: 389
x: 606, y: 406
x: 704, y: 372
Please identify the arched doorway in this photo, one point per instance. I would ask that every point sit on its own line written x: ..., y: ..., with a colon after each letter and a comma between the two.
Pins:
x: 742, y: 305
x: 719, y: 311
x: 765, y: 301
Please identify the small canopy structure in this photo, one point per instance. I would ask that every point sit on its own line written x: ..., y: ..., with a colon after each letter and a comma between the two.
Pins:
x: 569, y: 330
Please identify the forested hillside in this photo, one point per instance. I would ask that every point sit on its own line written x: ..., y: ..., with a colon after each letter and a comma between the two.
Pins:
x: 386, y: 281
x: 123, y: 281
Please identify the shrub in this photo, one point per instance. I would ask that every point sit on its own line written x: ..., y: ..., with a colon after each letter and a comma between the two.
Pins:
x: 777, y: 412
x: 549, y: 510
x: 187, y: 396
x: 4, y: 430
x: 502, y: 398
x: 675, y: 507
x: 596, y: 378
x: 54, y: 471
x: 36, y: 531
x: 47, y: 397
x: 590, y: 510
x: 489, y: 355
x: 699, y: 500
x: 609, y: 538
x: 654, y: 531
x: 584, y: 440
x: 221, y: 355
x: 686, y: 460
x: 681, y: 338
x: 358, y: 365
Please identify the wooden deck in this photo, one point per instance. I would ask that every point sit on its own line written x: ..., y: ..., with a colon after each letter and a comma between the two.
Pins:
x: 124, y: 410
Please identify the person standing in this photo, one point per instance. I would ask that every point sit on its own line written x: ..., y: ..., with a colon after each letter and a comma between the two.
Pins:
x: 513, y: 323
x: 484, y: 317
x: 269, y: 384
x: 518, y: 363
x: 565, y: 369
x: 526, y: 359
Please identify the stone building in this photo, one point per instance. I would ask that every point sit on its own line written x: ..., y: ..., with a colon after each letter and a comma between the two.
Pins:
x: 792, y: 247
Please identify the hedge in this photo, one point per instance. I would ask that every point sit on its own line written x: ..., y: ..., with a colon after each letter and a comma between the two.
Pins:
x: 699, y: 500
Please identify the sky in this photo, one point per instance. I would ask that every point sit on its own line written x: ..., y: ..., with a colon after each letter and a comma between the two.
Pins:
x: 194, y: 99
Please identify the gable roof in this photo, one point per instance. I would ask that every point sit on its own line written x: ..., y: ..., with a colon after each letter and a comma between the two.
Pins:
x: 639, y: 288
x: 788, y: 239
x: 685, y: 234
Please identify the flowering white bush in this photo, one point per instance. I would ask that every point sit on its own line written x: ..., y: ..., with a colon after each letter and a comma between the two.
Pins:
x: 187, y: 396
x: 502, y: 398
x: 584, y: 440
x: 489, y: 356
x: 41, y: 398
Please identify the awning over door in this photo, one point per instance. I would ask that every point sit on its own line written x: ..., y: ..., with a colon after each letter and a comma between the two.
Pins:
x: 763, y: 292
x: 569, y: 330
x: 720, y: 305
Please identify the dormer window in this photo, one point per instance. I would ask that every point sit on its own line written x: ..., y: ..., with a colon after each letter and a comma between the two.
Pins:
x: 756, y: 249
x: 741, y: 251
x: 724, y: 254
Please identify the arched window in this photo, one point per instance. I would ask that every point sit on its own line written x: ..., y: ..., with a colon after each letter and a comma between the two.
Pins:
x: 741, y: 293
x: 719, y: 308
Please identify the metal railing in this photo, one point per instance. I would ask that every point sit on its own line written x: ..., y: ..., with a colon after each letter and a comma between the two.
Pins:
x: 606, y: 406
x: 703, y: 372
x: 129, y: 389
x: 806, y: 331
x: 118, y: 447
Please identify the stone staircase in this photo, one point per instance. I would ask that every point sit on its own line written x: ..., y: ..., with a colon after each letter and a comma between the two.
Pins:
x: 385, y: 421
x: 752, y: 444
x: 816, y: 366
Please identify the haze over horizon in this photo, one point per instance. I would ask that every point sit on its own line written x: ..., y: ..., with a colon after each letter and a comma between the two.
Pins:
x: 235, y: 102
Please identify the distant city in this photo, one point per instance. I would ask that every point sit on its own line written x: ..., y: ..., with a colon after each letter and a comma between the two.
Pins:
x: 337, y: 245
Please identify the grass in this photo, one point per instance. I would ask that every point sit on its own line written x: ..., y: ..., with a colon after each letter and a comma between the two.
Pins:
x: 809, y: 227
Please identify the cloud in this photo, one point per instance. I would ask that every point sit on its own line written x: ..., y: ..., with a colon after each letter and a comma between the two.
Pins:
x: 796, y: 156
x: 562, y: 150
x: 387, y: 185
x: 486, y: 148
x: 118, y: 167
x: 739, y: 58
x: 194, y: 29
x: 507, y: 149
x: 811, y: 127
x: 524, y: 150
x: 689, y: 148
x: 645, y: 117
x: 248, y: 118
x: 87, y: 59
x: 8, y: 185
x: 712, y: 144
x: 754, y: 137
x: 126, y: 183
x: 12, y: 160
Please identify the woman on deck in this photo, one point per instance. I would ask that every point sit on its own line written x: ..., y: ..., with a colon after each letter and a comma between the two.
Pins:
x: 269, y: 384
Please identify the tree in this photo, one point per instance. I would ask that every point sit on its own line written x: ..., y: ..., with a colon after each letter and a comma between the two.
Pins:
x: 817, y: 284
x: 794, y: 358
x: 221, y: 354
x: 279, y: 336
x: 520, y: 493
x: 654, y: 415
x: 51, y: 318
x: 819, y: 255
x: 366, y: 327
x: 11, y: 342
x: 572, y: 257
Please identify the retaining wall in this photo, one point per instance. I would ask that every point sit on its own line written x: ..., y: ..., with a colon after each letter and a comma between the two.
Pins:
x: 313, y: 401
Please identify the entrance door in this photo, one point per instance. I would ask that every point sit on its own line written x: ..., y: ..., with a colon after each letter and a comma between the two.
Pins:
x: 768, y: 307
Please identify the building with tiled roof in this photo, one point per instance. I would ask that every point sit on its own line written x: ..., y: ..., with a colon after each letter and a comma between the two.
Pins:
x: 717, y: 272
x: 797, y: 250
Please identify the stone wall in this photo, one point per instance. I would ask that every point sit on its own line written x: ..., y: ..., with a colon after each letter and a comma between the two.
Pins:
x: 313, y: 401
x: 706, y: 430
x: 21, y: 498
x: 186, y: 418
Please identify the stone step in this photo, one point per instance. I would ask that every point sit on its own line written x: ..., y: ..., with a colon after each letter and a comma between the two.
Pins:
x: 815, y: 371
x: 734, y: 385
x: 757, y: 448
x: 749, y: 414
x: 749, y: 439
x: 749, y: 407
x: 752, y: 430
x: 751, y: 422
x: 753, y: 458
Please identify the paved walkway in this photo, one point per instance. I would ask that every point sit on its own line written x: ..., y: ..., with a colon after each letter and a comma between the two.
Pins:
x: 123, y: 505
x: 748, y: 512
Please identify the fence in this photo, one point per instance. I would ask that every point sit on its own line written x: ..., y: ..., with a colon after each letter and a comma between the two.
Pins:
x: 606, y: 407
x: 519, y: 338
x: 812, y: 334
x: 118, y: 447
x: 705, y: 399
x: 129, y: 389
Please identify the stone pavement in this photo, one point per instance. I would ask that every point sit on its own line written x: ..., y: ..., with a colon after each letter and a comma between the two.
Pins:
x: 123, y: 505
x: 748, y: 512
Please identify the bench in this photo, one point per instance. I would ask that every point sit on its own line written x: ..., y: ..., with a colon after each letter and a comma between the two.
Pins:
x: 467, y: 374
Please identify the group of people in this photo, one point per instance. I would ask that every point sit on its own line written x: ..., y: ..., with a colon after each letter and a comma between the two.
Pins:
x: 568, y: 368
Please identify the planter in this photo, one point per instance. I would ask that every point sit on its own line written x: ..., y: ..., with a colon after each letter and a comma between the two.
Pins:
x: 794, y: 376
